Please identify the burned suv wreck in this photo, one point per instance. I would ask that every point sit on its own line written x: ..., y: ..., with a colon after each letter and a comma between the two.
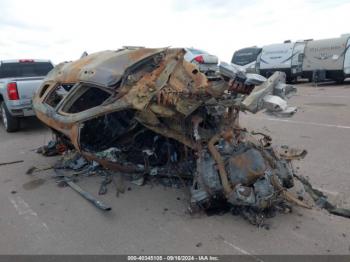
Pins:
x: 150, y: 113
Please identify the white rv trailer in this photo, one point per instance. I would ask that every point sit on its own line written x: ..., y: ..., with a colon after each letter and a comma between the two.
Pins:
x: 246, y: 58
x: 286, y: 57
x: 330, y: 56
x: 347, y: 59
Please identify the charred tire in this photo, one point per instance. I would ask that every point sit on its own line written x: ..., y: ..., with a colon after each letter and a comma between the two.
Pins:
x: 10, y: 122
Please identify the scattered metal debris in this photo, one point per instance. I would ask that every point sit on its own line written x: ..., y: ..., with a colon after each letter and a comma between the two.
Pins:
x: 88, y: 196
x: 65, y: 180
x: 53, y: 148
x: 275, y: 102
x: 278, y: 106
x: 147, y: 114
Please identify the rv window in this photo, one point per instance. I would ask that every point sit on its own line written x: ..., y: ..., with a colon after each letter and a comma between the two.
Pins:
x: 300, y: 58
x: 245, y: 56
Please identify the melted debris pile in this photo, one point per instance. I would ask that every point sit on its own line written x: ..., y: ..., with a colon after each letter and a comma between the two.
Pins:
x: 146, y: 113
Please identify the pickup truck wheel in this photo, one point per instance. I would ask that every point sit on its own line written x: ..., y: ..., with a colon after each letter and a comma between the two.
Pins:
x: 10, y: 122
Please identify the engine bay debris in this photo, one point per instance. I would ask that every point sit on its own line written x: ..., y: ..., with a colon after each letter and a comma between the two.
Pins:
x: 145, y: 113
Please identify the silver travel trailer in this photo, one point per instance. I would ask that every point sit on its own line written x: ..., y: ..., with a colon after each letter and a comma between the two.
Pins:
x: 286, y: 57
x: 246, y: 58
x: 327, y: 59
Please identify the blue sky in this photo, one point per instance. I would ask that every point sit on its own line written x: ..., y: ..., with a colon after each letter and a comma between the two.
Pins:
x: 62, y: 30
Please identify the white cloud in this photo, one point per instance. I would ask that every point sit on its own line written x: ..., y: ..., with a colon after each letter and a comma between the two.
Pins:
x: 62, y: 30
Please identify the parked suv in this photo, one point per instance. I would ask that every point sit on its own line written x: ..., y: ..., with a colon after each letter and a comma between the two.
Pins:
x: 19, y: 79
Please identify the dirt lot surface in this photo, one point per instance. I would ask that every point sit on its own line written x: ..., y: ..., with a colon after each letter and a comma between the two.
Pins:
x: 37, y: 217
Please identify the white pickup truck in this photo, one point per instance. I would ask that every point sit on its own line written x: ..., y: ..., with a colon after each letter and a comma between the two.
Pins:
x: 19, y: 79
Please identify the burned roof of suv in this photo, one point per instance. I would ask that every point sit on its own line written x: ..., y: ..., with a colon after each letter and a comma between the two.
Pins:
x: 104, y: 68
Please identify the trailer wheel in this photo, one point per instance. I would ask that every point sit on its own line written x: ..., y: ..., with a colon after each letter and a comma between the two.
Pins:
x: 340, y: 80
x: 10, y: 122
x: 289, y: 80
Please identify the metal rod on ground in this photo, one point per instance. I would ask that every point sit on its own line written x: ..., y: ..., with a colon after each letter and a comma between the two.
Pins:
x: 89, y: 197
x: 10, y: 163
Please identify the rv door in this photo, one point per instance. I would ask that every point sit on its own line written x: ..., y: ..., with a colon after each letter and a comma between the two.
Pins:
x: 347, y: 59
x: 297, y: 58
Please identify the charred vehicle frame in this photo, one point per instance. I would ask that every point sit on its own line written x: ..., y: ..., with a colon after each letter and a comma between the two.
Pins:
x: 149, y: 112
